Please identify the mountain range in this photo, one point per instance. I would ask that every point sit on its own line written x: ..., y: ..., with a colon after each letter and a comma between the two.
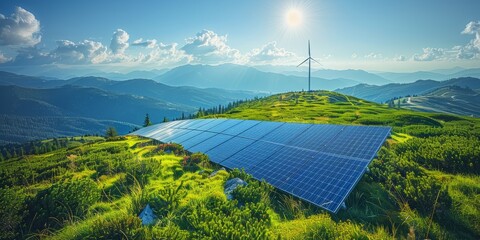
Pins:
x: 34, y: 107
x: 386, y: 92
x: 449, y: 99
x: 271, y: 77
x: 238, y: 77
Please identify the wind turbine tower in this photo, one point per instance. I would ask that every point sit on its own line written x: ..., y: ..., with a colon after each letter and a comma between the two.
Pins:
x: 309, y: 59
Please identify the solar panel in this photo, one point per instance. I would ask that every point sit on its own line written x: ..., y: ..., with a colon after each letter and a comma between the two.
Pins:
x: 280, y: 166
x: 310, y: 139
x: 197, y: 139
x: 210, y: 143
x: 241, y: 127
x: 326, y: 181
x: 260, y: 130
x: 319, y: 163
x: 228, y: 148
x: 356, y: 142
x: 251, y: 155
x: 285, y: 133
x: 220, y: 128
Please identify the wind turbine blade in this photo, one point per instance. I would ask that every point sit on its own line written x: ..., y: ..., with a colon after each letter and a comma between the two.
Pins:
x: 316, y: 61
x: 308, y: 48
x: 303, y: 62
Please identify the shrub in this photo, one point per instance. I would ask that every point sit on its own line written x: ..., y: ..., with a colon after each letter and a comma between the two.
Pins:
x: 122, y: 226
x: 177, y: 149
x: 408, y: 181
x: 171, y: 231
x: 216, y: 218
x: 254, y: 192
x: 64, y: 200
x: 12, y: 211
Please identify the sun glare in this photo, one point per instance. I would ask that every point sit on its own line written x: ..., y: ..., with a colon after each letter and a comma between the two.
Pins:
x: 293, y: 17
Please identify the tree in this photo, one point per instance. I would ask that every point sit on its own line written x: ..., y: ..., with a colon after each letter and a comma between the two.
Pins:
x: 147, y: 121
x: 165, y: 119
x: 111, y: 132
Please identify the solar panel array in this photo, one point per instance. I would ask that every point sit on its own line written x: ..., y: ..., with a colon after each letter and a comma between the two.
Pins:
x: 319, y: 163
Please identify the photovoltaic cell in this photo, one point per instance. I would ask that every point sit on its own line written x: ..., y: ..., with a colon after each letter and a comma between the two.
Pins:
x: 197, y: 139
x: 220, y: 128
x: 228, y: 148
x: 210, y: 143
x: 285, y: 133
x: 279, y: 167
x: 181, y: 138
x: 310, y: 139
x: 260, y: 130
x: 210, y: 124
x: 251, y: 155
x: 241, y: 127
x: 356, y: 141
x: 319, y: 163
x: 326, y: 180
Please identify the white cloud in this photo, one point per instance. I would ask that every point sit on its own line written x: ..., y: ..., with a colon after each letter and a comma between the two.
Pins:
x: 21, y: 28
x: 164, y: 54
x: 119, y: 42
x: 209, y: 47
x: 269, y: 53
x: 149, y: 43
x: 469, y: 51
x: 354, y: 56
x: 86, y: 51
x: 430, y: 54
x: 472, y: 49
x: 400, y: 58
x: 3, y: 58
x: 374, y: 56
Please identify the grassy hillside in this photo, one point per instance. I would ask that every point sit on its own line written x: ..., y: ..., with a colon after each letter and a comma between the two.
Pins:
x: 424, y: 184
x: 452, y: 99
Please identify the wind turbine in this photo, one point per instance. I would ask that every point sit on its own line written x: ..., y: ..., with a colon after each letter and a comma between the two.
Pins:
x: 309, y: 59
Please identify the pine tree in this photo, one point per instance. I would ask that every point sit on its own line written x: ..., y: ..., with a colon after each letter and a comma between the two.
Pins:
x: 111, y: 132
x: 147, y: 121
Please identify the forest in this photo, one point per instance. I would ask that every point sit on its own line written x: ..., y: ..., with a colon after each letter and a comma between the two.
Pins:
x: 422, y: 185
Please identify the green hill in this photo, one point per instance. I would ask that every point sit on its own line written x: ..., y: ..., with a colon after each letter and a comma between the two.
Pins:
x: 423, y: 184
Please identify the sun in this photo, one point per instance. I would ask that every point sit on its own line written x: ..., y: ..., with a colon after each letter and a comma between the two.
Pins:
x: 293, y: 17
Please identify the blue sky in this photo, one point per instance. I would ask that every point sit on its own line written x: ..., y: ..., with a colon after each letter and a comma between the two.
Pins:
x: 371, y: 34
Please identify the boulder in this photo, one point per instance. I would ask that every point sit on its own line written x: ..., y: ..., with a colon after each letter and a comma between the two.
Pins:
x: 147, y: 216
x: 231, y: 185
x: 215, y: 173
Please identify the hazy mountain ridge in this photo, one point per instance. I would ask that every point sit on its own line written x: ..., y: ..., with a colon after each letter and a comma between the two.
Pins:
x: 386, y: 92
x: 19, y: 129
x: 85, y: 100
x: 190, y: 97
x: 71, y: 110
x: 238, y: 77
x: 438, y: 75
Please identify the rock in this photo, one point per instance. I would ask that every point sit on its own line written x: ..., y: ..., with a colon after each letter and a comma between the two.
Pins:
x: 215, y: 173
x: 147, y: 216
x: 231, y: 185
